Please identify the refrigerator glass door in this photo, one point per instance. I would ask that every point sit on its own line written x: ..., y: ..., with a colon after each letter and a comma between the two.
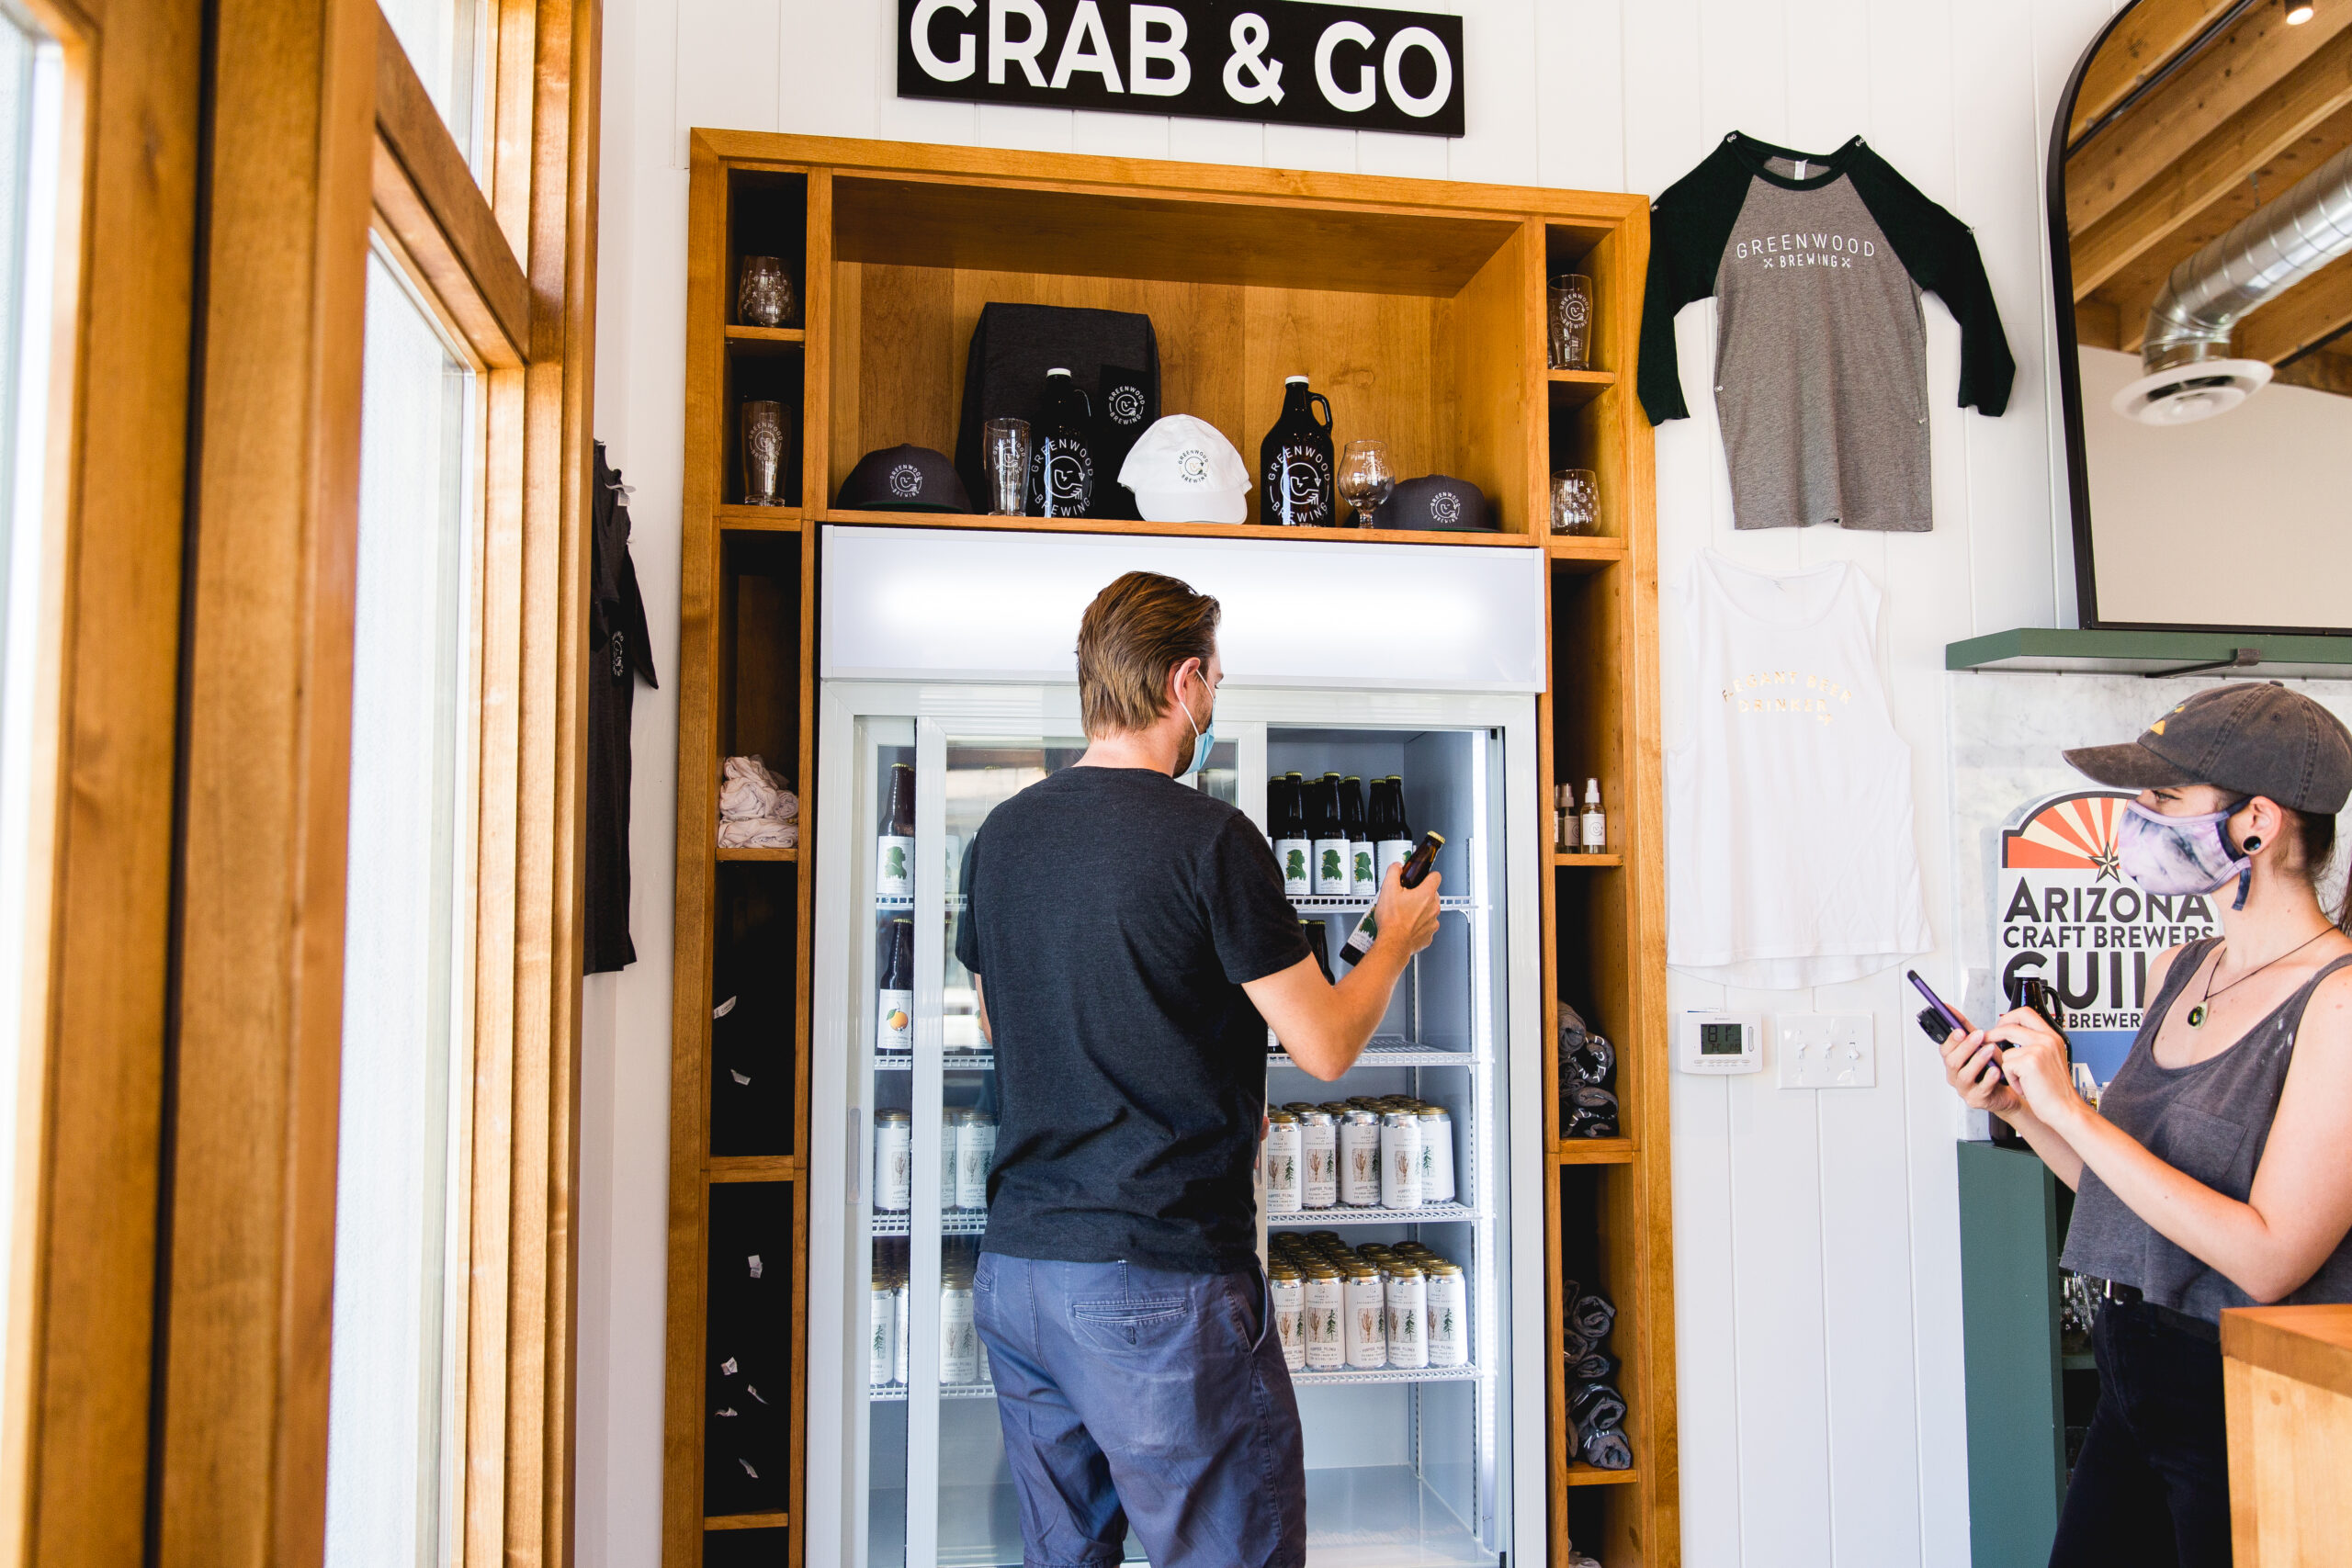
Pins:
x: 1428, y: 1464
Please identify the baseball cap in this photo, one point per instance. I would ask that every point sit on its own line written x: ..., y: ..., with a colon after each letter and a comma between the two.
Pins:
x: 2250, y: 738
x: 903, y: 479
x: 1182, y: 469
x: 1437, y: 501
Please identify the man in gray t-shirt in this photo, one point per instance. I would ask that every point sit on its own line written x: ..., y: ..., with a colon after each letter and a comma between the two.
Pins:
x: 1821, y: 365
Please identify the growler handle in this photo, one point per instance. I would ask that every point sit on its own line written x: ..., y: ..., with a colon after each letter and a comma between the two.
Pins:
x: 1314, y: 398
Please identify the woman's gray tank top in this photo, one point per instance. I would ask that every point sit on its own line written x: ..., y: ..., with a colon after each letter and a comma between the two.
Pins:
x: 2210, y: 1120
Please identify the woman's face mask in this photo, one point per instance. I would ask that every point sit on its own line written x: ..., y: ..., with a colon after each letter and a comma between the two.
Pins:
x: 2182, y: 855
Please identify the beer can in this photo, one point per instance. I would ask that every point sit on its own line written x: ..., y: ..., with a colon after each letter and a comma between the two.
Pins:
x: 894, y: 1162
x: 1281, y: 1163
x: 975, y: 1152
x: 1447, y: 1317
x: 1436, y: 1155
x: 1360, y: 1160
x: 1408, y: 1344
x: 882, y: 1332
x: 1400, y: 1160
x: 903, y: 1328
x: 1289, y: 1294
x: 1332, y: 878
x: 1366, y: 1329
x: 1318, y: 1142
x: 960, y: 1342
x: 1325, y: 1306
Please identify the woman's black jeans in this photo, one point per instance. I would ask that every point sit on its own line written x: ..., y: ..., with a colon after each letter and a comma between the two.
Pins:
x: 2152, y: 1487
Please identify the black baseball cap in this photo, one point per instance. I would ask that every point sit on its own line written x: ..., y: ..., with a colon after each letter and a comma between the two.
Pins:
x: 1436, y: 501
x: 2250, y: 738
x: 903, y: 479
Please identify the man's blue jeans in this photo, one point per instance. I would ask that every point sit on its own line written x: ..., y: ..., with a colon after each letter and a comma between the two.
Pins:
x: 1135, y: 1394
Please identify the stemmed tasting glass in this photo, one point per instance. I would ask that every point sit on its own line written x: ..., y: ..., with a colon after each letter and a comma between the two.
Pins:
x: 1365, y: 478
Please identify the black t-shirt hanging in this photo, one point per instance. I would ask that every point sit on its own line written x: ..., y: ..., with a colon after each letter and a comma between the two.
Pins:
x: 1114, y: 916
x: 618, y: 653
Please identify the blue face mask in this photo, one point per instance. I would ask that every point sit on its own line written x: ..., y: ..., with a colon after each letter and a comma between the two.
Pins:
x: 1203, y: 739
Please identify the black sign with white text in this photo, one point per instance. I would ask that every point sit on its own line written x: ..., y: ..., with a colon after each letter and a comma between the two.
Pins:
x: 1257, y: 60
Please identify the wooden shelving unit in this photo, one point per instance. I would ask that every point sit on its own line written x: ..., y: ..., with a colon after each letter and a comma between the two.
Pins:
x: 1419, y: 305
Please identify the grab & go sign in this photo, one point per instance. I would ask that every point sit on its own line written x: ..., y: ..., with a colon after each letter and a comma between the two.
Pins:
x: 1257, y: 60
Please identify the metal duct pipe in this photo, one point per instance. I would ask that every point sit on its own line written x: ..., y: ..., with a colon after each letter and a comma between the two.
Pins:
x: 2280, y: 244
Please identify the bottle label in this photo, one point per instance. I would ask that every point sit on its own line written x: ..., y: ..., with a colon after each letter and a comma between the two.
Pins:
x: 1331, y: 867
x: 894, y: 867
x: 1363, y: 871
x: 1296, y: 856
x: 1596, y: 833
x: 1359, y: 943
x: 1062, y: 477
x: 894, y: 1020
x: 1388, y: 852
x: 1298, y: 486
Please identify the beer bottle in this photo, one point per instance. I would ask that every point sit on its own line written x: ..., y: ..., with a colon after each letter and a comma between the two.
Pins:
x: 1361, y: 883
x: 894, y: 873
x: 894, y: 1002
x: 1392, y: 839
x: 1331, y: 847
x: 1061, y: 457
x: 1294, y: 461
x: 1416, y: 866
x: 1292, y: 848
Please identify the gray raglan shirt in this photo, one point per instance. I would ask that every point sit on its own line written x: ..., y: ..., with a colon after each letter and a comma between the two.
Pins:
x: 1821, y: 365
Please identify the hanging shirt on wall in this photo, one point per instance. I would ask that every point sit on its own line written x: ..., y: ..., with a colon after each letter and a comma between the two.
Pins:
x: 1816, y: 265
x: 617, y: 654
x: 1790, y: 858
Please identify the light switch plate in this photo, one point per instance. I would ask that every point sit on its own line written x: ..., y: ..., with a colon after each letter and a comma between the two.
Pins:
x: 1826, y: 1049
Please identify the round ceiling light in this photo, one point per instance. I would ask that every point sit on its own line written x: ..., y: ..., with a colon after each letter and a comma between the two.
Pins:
x: 2187, y: 393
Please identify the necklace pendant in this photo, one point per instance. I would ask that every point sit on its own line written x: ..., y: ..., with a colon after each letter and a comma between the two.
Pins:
x: 2197, y: 1016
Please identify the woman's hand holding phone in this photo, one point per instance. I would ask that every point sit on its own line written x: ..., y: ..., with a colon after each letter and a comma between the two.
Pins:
x: 2037, y: 1066
x: 1973, y: 1067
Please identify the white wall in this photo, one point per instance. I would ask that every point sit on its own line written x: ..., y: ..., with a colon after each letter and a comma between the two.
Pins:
x: 1816, y: 1239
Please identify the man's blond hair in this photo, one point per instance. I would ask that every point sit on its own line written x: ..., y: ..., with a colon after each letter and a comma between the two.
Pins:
x: 1136, y: 630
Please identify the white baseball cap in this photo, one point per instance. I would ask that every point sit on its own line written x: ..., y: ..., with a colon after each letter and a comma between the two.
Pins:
x: 1182, y: 469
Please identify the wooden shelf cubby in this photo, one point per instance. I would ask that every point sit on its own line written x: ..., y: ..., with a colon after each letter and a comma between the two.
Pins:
x: 1418, y: 307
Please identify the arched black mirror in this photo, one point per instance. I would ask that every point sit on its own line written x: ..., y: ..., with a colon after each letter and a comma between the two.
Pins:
x: 2200, y: 224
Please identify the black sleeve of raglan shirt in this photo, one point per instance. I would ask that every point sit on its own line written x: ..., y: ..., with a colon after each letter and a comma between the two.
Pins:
x: 1940, y: 255
x: 1690, y: 226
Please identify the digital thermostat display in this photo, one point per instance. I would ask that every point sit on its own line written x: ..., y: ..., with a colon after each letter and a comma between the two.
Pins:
x: 1717, y: 1042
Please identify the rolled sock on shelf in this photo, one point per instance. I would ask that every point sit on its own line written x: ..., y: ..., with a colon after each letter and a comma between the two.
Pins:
x: 1596, y: 1407
x: 1594, y: 1366
x: 1592, y: 1316
x: 1606, y: 1450
x: 1575, y: 1346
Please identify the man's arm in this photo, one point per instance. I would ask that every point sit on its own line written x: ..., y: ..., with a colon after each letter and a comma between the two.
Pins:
x: 1325, y: 1027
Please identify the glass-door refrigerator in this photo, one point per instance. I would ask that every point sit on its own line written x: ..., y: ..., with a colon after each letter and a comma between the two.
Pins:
x: 1413, y: 1458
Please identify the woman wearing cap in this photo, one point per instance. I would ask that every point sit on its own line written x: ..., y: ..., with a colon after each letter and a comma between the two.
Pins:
x: 2212, y: 1172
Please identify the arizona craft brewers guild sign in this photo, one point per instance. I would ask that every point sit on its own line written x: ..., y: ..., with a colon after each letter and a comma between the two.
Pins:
x: 1277, y: 61
x: 2065, y: 911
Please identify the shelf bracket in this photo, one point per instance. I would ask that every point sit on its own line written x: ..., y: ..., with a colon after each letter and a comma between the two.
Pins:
x: 2239, y: 659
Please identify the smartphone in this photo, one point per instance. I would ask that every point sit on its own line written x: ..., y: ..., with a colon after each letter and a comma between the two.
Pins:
x: 1952, y: 1021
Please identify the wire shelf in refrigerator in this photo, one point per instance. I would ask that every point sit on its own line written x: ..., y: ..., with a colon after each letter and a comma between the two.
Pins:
x: 1333, y: 904
x: 955, y: 1222
x: 896, y: 1394
x: 953, y: 1060
x: 1427, y: 1215
x: 1386, y: 1374
x: 955, y: 904
x: 1396, y: 1050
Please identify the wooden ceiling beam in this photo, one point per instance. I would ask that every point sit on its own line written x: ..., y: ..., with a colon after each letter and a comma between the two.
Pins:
x: 2325, y: 371
x: 2312, y: 311
x: 2249, y: 58
x: 2151, y: 37
x: 2311, y: 96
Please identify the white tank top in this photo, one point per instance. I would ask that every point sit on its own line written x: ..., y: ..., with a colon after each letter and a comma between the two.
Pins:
x: 1790, y: 859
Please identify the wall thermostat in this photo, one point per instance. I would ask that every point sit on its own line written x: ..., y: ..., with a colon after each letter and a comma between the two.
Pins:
x: 1722, y: 1043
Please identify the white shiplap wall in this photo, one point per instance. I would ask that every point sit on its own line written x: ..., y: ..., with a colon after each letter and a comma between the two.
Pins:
x: 1816, y: 1237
